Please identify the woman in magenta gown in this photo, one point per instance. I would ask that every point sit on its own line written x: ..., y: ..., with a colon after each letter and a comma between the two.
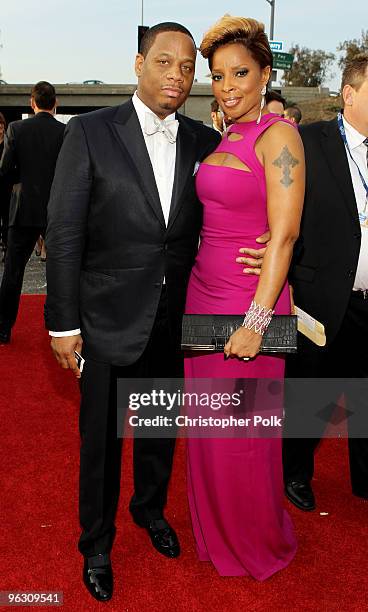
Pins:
x: 252, y: 183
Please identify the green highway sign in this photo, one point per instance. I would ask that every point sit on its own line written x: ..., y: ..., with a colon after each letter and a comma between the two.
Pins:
x: 283, y: 61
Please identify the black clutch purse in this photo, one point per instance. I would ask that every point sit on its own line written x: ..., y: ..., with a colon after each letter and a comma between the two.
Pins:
x: 211, y: 333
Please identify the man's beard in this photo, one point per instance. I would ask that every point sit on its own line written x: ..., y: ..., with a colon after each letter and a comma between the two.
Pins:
x: 167, y: 106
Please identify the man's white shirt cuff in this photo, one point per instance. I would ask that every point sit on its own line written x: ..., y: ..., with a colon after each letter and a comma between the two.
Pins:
x: 72, y: 332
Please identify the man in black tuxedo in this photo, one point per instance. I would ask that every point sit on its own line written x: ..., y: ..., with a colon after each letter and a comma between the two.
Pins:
x: 31, y: 148
x: 329, y: 275
x: 123, y: 228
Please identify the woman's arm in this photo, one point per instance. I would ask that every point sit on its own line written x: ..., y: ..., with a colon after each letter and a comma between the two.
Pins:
x: 281, y: 151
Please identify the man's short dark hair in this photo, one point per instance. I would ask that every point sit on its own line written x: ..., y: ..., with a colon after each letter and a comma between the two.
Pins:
x: 355, y: 71
x: 294, y: 112
x: 44, y: 95
x: 272, y: 95
x: 214, y: 106
x: 167, y: 26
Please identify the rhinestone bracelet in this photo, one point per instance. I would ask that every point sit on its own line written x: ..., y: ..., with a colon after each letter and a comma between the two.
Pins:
x: 257, y: 318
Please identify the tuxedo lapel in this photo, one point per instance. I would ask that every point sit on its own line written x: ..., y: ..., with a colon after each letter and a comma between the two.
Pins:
x: 184, y: 166
x: 335, y: 152
x: 128, y: 131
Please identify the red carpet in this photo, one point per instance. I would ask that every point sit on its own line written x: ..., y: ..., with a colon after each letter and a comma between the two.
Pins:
x: 39, y: 469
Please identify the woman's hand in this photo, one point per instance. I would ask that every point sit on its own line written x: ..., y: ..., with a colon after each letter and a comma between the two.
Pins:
x: 243, y: 343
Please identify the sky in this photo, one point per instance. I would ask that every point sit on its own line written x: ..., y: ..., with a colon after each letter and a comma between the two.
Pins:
x: 75, y: 40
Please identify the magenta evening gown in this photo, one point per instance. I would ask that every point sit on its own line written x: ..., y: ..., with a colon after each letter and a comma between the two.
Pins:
x: 235, y: 486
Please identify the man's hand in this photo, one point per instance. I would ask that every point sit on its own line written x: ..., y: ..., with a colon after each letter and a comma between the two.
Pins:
x: 64, y: 348
x: 255, y: 256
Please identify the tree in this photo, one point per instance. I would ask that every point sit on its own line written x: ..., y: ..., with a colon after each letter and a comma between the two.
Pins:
x: 353, y: 47
x: 310, y: 67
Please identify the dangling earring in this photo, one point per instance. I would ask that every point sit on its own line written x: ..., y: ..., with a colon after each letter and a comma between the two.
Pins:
x: 263, y: 102
x: 224, y: 127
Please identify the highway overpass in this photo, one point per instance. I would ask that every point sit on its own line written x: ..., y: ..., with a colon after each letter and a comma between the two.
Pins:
x: 79, y: 98
x: 75, y: 99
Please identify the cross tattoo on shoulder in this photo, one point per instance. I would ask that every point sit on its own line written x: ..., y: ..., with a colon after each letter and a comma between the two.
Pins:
x: 286, y: 161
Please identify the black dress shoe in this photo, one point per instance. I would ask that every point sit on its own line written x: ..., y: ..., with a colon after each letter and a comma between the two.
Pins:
x: 98, y: 577
x: 361, y: 494
x: 163, y: 537
x: 300, y: 493
x: 5, y: 337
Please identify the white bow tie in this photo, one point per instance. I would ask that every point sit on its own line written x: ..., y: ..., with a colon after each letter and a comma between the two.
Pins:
x: 153, y: 124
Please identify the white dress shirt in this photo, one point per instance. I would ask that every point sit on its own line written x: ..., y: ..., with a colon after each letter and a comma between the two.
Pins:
x: 359, y: 153
x: 162, y: 154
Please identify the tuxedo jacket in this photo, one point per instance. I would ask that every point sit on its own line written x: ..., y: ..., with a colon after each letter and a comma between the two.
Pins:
x: 108, y: 249
x: 327, y: 251
x: 31, y: 148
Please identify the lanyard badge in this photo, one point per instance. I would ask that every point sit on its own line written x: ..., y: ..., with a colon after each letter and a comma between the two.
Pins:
x: 363, y: 216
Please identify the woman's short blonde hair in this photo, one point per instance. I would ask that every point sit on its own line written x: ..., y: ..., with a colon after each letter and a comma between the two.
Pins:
x: 244, y: 30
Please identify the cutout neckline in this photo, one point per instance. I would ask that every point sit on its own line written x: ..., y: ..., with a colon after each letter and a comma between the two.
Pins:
x: 239, y: 123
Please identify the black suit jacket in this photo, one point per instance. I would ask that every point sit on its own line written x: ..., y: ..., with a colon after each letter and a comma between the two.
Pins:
x: 108, y: 249
x: 6, y: 185
x: 31, y: 148
x: 327, y: 251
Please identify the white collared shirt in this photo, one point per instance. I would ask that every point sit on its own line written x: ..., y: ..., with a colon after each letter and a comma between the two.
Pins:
x: 162, y: 154
x: 359, y: 153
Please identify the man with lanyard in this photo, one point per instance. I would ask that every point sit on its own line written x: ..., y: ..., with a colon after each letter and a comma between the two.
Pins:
x: 329, y: 275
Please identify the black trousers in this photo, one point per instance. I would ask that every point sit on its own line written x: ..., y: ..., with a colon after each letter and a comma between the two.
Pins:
x: 21, y: 242
x: 346, y: 357
x: 100, y: 455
